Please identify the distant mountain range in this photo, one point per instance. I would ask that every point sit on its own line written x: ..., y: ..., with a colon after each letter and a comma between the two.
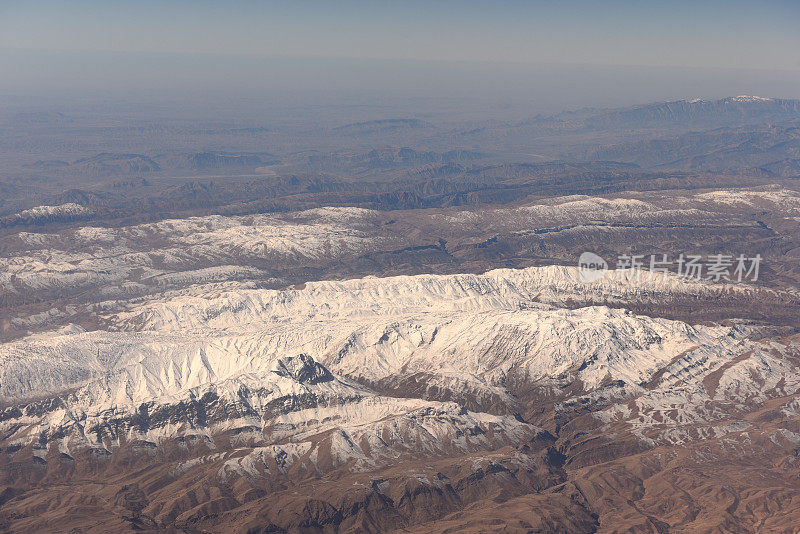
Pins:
x: 695, y: 114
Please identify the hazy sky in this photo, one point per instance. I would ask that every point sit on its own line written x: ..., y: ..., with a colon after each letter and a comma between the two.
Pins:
x: 544, y: 55
x: 753, y: 34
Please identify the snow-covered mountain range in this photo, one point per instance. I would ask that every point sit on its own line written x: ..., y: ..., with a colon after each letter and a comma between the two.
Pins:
x: 279, y: 364
x: 358, y: 400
